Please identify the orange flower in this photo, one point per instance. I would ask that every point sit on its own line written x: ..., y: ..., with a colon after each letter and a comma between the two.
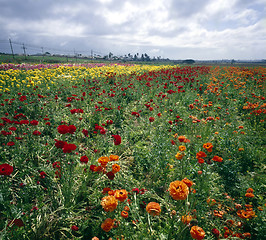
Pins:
x: 178, y: 190
x: 181, y: 138
x: 124, y: 214
x: 249, y: 195
x: 182, y: 148
x: 109, y: 203
x: 245, y: 214
x: 121, y: 195
x: 217, y: 159
x: 250, y: 190
x: 188, y: 182
x: 208, y: 146
x: 240, y: 149
x: 201, y: 154
x: 186, y: 219
x: 126, y: 208
x: 153, y: 208
x: 197, y: 233
x: 179, y: 156
x: 115, y: 168
x: 200, y: 160
x: 103, y: 161
x: 114, y: 158
x: 107, y: 225
x: 217, y: 213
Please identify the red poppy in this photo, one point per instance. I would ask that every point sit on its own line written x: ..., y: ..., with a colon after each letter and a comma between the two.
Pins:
x: 6, y: 169
x: 117, y: 139
x: 72, y: 129
x: 60, y: 144
x: 34, y: 122
x: 151, y: 119
x: 68, y: 148
x: 110, y: 175
x: 16, y: 222
x: 85, y: 132
x: 84, y: 159
x: 36, y: 133
x: 10, y: 144
x: 74, y: 228
x: 63, y: 129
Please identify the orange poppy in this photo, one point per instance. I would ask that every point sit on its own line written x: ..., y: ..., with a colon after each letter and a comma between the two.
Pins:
x: 201, y: 154
x: 208, y: 146
x: 103, y: 161
x: 153, y: 208
x: 107, y: 225
x: 217, y: 159
x: 179, y: 156
x: 109, y: 203
x: 182, y: 148
x: 115, y: 168
x: 124, y: 214
x: 178, y: 190
x: 188, y: 182
x: 121, y: 195
x: 114, y: 158
x: 186, y: 219
x: 197, y: 233
x: 181, y: 138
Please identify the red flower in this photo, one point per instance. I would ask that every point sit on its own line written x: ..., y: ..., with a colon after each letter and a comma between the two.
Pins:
x: 72, y: 129
x: 110, y: 175
x: 84, y: 159
x: 74, y: 228
x: 68, y: 148
x: 10, y: 144
x: 63, y: 129
x: 36, y: 133
x: 85, y: 132
x: 42, y: 174
x: 151, y: 119
x: 6, y: 169
x: 117, y: 139
x: 16, y: 222
x: 60, y: 144
x: 34, y: 122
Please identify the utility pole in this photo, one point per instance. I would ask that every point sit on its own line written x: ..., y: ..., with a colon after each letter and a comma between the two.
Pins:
x: 11, y: 48
x: 24, y: 48
x: 42, y: 54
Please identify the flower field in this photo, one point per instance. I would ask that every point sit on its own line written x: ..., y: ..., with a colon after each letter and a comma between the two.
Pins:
x: 123, y: 151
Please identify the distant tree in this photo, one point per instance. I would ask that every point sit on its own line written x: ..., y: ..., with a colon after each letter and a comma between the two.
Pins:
x: 142, y: 57
x: 135, y: 57
x: 110, y: 55
x: 188, y: 61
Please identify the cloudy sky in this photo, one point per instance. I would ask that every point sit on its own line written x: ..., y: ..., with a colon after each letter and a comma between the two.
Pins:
x: 175, y: 29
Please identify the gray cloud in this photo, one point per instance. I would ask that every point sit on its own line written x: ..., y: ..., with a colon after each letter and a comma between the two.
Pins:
x: 201, y: 29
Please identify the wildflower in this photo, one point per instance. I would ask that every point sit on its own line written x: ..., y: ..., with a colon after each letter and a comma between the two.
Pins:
x: 72, y: 129
x: 216, y: 232
x: 110, y: 175
x: 115, y: 168
x: 249, y: 195
x: 188, y: 182
x: 178, y: 190
x: 10, y: 144
x: 107, y: 225
x: 103, y: 161
x: 84, y: 159
x: 117, y: 139
x: 217, y: 159
x: 182, y: 148
x: 153, y: 208
x: 16, y: 222
x: 200, y: 160
x: 68, y: 148
x: 136, y: 190
x: 121, y: 195
x: 63, y: 129
x: 181, y: 138
x: 197, y: 233
x: 74, y: 228
x: 208, y: 146
x: 6, y: 169
x: 42, y: 174
x: 179, y: 156
x: 36, y: 133
x: 60, y: 144
x: 186, y: 219
x: 126, y: 208
x: 124, y: 214
x: 201, y: 154
x: 113, y: 158
x: 109, y: 203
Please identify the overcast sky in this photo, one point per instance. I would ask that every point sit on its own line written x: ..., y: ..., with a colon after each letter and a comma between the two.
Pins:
x: 175, y: 29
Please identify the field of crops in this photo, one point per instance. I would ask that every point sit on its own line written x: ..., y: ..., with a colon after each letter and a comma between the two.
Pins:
x: 123, y: 151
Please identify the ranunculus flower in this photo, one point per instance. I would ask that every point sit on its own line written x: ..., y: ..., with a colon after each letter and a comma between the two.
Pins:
x: 63, y: 129
x: 36, y: 133
x: 72, y: 129
x: 6, y: 169
x: 121, y: 195
x: 153, y: 208
x: 10, y: 144
x: 84, y: 159
x: 74, y: 228
x: 60, y: 144
x: 69, y: 147
x: 117, y: 139
x: 107, y: 225
x: 34, y: 122
x: 110, y: 175
x: 197, y: 233
x: 178, y: 190
x: 109, y: 203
